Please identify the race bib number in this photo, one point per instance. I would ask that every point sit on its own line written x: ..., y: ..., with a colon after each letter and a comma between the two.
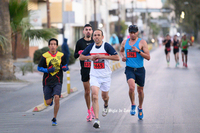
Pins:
x: 131, y: 53
x: 99, y: 64
x: 175, y: 47
x: 87, y: 63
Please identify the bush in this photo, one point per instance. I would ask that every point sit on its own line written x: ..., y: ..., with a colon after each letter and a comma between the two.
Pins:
x: 28, y: 67
x: 38, y: 54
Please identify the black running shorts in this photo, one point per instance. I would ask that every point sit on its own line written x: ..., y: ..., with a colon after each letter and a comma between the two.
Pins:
x: 176, y: 51
x: 85, y: 74
x: 185, y: 52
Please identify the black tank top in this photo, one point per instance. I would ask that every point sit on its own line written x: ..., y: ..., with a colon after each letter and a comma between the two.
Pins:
x: 167, y: 45
x: 175, y: 43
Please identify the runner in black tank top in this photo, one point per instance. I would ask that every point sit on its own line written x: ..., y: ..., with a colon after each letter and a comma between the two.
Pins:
x: 167, y: 42
x: 176, y: 49
x: 85, y: 67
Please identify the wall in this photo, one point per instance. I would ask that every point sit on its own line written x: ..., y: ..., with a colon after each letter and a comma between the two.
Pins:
x: 32, y: 50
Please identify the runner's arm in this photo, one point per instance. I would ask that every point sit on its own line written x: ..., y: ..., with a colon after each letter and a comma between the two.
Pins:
x: 190, y: 42
x: 86, y: 53
x: 122, y: 49
x: 164, y: 42
x: 42, y: 67
x: 180, y: 42
x: 146, y: 53
x: 172, y: 43
x: 63, y: 61
x: 111, y: 57
x: 76, y: 55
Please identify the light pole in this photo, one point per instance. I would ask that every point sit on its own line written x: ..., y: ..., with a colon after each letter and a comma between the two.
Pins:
x: 119, y: 19
x: 132, y: 12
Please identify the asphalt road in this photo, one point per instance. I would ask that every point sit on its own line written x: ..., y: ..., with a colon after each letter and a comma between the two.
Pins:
x: 171, y: 103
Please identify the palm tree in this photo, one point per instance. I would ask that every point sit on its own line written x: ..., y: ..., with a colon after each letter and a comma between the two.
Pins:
x: 6, y: 62
x: 20, y: 24
x: 14, y: 22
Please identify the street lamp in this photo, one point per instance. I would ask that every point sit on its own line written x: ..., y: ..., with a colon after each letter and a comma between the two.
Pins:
x: 95, y: 24
x: 132, y: 12
x: 182, y: 15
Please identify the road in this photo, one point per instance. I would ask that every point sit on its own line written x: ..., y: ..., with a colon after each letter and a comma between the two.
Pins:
x: 171, y: 103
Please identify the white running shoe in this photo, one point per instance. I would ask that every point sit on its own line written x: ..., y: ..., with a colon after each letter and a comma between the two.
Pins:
x: 105, y: 112
x: 96, y: 124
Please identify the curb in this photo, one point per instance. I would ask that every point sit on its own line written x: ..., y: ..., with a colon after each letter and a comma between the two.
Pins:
x: 150, y: 46
x: 115, y: 65
x: 73, y: 90
x: 39, y: 108
x: 43, y: 106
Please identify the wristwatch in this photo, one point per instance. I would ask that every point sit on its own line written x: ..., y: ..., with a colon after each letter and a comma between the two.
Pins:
x: 139, y: 52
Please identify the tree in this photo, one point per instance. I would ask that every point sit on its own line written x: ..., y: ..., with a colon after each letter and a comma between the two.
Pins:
x: 14, y: 21
x: 20, y: 25
x: 190, y: 23
x: 6, y: 62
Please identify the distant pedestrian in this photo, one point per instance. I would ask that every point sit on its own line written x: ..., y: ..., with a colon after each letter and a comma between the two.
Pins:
x: 160, y: 40
x: 167, y: 42
x: 114, y: 41
x: 52, y: 64
x: 65, y: 50
x: 184, y: 46
x: 176, y: 45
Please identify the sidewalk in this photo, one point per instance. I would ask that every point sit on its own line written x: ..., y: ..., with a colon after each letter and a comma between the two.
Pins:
x: 28, y: 78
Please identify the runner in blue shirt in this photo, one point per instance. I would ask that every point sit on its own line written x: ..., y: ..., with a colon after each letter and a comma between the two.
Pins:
x: 133, y: 51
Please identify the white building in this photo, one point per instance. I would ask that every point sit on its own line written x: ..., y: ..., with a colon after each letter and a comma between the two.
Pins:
x: 74, y: 14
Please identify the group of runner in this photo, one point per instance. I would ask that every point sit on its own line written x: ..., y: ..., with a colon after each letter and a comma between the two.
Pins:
x: 184, y: 43
x: 94, y: 55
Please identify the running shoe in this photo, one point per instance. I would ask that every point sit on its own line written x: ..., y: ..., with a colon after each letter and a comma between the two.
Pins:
x: 105, y: 111
x: 140, y: 113
x: 92, y: 113
x: 96, y: 124
x: 186, y: 65
x: 132, y: 112
x: 168, y: 64
x: 183, y: 64
x: 54, y: 123
x: 89, y: 116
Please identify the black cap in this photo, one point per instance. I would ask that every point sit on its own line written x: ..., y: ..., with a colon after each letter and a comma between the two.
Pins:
x: 133, y: 28
x: 88, y: 25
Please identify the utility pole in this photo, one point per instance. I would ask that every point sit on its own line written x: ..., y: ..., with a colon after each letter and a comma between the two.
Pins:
x: 63, y: 23
x: 48, y: 15
x: 119, y: 19
x: 132, y: 12
x: 95, y: 24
